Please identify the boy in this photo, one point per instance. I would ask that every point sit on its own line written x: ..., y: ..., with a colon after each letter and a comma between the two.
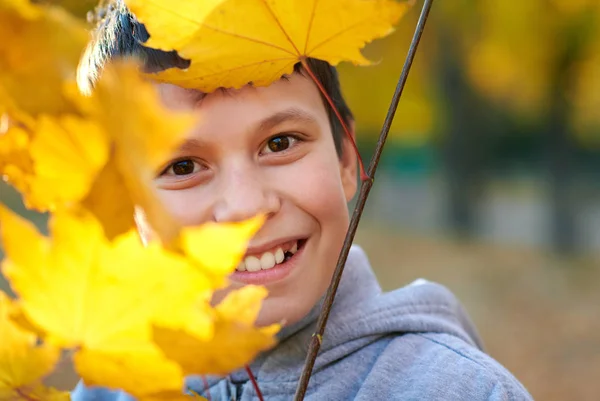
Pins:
x: 279, y: 150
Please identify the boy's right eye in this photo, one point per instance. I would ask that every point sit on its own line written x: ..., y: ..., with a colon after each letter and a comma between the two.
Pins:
x: 181, y: 168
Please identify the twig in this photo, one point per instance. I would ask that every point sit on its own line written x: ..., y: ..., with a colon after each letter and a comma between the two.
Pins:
x: 254, y: 383
x: 23, y: 395
x: 206, y: 387
x: 365, y: 188
x: 363, y: 174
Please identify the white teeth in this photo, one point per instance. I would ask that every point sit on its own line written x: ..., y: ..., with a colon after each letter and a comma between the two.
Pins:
x: 279, y: 255
x: 252, y: 264
x: 267, y: 261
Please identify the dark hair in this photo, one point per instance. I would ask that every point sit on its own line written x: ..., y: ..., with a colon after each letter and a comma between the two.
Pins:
x: 119, y: 34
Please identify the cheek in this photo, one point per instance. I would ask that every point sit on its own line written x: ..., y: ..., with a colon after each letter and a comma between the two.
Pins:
x: 314, y: 184
x: 185, y: 205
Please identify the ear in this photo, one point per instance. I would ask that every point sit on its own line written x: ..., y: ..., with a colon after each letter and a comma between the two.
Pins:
x: 348, y: 165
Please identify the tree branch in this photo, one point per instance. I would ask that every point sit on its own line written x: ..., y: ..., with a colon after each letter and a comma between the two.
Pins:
x: 365, y: 188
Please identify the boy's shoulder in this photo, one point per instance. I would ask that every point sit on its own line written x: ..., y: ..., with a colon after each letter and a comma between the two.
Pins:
x: 439, y: 366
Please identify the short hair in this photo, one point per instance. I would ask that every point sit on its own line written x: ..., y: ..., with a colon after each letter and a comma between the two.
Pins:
x: 119, y: 34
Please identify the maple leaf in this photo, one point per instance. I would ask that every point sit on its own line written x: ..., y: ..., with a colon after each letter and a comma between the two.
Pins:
x: 233, y: 42
x: 53, y: 160
x: 90, y: 295
x: 114, y: 144
x: 116, y: 213
x: 144, y: 134
x: 219, y: 247
x: 67, y: 154
x: 235, y: 342
x: 42, y: 54
x: 102, y: 298
x: 15, y: 162
x: 23, y: 362
x: 40, y: 57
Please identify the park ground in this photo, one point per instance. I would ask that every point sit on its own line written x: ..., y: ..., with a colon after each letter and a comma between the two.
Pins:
x: 539, y: 315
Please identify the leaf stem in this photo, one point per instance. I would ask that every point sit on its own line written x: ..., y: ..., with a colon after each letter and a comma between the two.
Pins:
x: 206, y: 387
x: 254, y: 383
x: 363, y: 175
x: 23, y: 395
x: 365, y: 188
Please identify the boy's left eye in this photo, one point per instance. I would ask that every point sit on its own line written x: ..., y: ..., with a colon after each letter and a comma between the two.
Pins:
x: 279, y: 143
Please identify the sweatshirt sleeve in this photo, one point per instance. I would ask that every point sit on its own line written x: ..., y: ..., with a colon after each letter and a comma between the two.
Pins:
x: 83, y: 393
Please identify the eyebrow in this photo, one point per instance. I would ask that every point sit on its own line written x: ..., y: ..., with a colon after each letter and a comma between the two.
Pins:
x: 190, y: 145
x: 293, y: 114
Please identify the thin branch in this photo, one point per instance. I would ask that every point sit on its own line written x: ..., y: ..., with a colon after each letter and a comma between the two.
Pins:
x: 206, y: 387
x: 363, y: 174
x: 365, y: 188
x: 254, y: 383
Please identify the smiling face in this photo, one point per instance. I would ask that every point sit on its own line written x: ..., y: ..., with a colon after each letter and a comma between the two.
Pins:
x: 266, y: 150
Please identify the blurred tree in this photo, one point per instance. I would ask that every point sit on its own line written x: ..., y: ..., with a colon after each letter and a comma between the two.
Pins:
x: 369, y: 90
x: 539, y: 60
x: 487, y: 72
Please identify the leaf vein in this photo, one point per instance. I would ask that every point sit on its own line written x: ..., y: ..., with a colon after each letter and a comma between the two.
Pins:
x: 310, y: 23
x: 200, y: 25
x: 343, y: 31
x: 281, y: 27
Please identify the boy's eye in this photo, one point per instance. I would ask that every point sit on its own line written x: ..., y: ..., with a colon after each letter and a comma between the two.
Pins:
x: 279, y: 143
x: 182, y: 167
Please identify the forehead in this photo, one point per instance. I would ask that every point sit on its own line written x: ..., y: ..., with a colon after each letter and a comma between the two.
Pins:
x: 295, y: 90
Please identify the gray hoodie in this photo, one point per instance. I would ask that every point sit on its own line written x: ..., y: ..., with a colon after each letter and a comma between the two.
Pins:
x: 414, y: 343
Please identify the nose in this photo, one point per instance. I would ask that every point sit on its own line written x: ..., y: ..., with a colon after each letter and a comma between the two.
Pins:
x: 242, y: 194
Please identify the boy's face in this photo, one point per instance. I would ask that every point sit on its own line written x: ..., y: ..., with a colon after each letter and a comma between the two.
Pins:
x: 266, y: 150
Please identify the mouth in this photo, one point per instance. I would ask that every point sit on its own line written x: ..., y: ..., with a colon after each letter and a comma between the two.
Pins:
x: 275, y: 263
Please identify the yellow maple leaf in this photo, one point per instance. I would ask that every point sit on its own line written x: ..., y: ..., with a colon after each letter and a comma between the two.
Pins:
x: 24, y: 363
x: 113, y: 145
x: 102, y: 298
x: 235, y: 342
x: 219, y: 247
x: 40, y: 51
x: 116, y: 213
x: 233, y: 42
x: 40, y: 57
x: 67, y: 154
x: 15, y: 162
x: 96, y: 297
x: 144, y: 134
x: 53, y: 161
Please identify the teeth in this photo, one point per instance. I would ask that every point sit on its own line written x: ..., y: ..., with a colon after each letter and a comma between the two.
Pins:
x: 279, y: 256
x: 252, y: 264
x: 267, y: 261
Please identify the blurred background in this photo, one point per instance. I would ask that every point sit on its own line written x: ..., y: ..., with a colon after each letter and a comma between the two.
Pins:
x: 490, y: 180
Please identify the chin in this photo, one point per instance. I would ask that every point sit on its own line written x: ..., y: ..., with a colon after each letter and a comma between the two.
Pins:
x: 278, y: 313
